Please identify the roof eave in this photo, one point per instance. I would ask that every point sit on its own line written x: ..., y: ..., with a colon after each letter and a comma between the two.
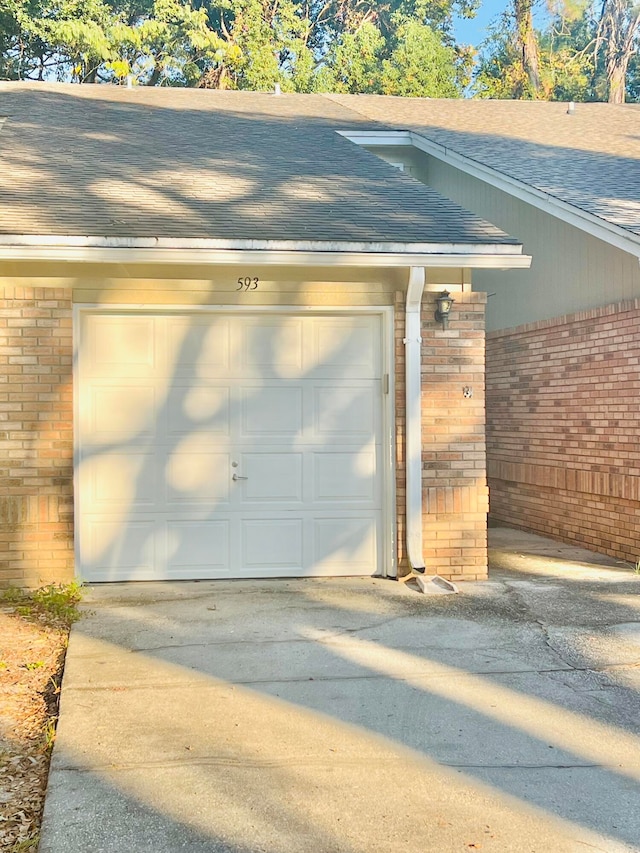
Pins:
x: 603, y: 229
x: 598, y: 227
x: 176, y: 251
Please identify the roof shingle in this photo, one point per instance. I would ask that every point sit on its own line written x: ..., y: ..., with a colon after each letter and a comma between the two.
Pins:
x: 589, y: 159
x: 184, y: 163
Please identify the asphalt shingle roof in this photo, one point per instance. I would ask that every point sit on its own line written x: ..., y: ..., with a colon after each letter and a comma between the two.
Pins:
x: 589, y: 159
x: 185, y: 163
x: 106, y: 161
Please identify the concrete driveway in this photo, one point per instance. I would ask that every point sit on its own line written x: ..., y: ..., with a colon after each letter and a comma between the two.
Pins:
x: 356, y: 715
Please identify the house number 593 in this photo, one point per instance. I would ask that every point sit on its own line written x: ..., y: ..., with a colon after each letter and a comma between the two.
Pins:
x: 247, y: 283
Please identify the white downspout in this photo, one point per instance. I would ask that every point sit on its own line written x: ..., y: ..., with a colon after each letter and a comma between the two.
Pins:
x: 413, y: 435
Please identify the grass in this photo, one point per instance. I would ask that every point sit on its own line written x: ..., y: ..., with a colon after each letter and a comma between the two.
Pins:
x: 24, y: 846
x: 54, y: 604
x: 49, y: 733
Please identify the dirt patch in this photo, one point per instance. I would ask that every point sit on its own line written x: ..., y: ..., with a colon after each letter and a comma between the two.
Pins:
x: 33, y: 643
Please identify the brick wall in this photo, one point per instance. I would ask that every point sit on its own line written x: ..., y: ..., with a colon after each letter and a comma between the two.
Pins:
x: 563, y: 418
x: 36, y: 436
x: 455, y: 497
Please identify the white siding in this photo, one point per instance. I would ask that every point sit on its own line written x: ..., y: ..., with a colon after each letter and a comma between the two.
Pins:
x: 571, y: 270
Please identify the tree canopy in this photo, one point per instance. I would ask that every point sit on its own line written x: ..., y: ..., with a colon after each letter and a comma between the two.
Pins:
x: 587, y: 51
x: 584, y: 49
x: 400, y: 47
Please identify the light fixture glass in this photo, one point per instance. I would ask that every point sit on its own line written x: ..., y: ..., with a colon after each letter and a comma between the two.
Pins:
x: 444, y: 302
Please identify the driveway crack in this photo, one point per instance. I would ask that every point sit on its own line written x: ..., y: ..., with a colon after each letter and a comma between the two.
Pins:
x: 544, y: 628
x: 525, y: 610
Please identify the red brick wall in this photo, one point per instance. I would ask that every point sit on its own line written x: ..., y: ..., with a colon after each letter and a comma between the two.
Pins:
x: 36, y: 436
x: 455, y: 498
x: 563, y: 420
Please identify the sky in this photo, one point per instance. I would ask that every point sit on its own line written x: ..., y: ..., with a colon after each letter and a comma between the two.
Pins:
x: 474, y: 31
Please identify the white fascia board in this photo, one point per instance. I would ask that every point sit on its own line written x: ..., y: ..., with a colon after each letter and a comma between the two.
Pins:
x: 266, y: 246
x: 488, y: 256
x: 582, y: 219
x: 381, y: 138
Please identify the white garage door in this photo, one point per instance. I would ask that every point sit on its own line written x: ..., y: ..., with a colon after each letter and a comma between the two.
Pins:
x: 216, y: 445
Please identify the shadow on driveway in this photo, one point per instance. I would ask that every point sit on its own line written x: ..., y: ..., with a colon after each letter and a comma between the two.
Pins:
x: 355, y: 715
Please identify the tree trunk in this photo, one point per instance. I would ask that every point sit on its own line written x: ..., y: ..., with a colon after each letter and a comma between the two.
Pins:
x: 617, y: 33
x: 527, y: 43
x: 156, y: 73
x: 617, y: 79
x: 213, y: 78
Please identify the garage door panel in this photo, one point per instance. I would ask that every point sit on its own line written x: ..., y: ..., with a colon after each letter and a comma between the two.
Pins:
x: 345, y: 544
x: 272, y: 543
x: 271, y: 477
x: 116, y: 481
x: 117, y: 348
x: 272, y: 348
x: 118, y: 412
x: 198, y: 346
x: 199, y: 545
x: 345, y: 411
x: 345, y: 347
x: 345, y: 476
x: 197, y: 407
x: 119, y: 548
x: 268, y: 411
x: 196, y: 475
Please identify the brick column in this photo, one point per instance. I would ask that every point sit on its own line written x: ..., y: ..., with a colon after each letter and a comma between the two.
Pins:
x: 36, y: 436
x: 455, y: 494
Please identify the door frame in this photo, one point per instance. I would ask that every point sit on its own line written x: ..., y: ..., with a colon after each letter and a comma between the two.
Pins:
x: 389, y: 562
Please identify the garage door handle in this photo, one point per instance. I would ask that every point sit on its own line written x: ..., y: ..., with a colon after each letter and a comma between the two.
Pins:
x: 235, y: 477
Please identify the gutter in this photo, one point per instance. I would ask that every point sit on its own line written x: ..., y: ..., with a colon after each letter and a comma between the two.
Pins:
x: 123, y: 250
x: 413, y: 437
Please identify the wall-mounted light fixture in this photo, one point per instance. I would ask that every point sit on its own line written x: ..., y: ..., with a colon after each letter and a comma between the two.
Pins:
x: 445, y: 301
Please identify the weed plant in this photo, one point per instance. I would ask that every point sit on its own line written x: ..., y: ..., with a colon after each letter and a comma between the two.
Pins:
x: 54, y: 604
